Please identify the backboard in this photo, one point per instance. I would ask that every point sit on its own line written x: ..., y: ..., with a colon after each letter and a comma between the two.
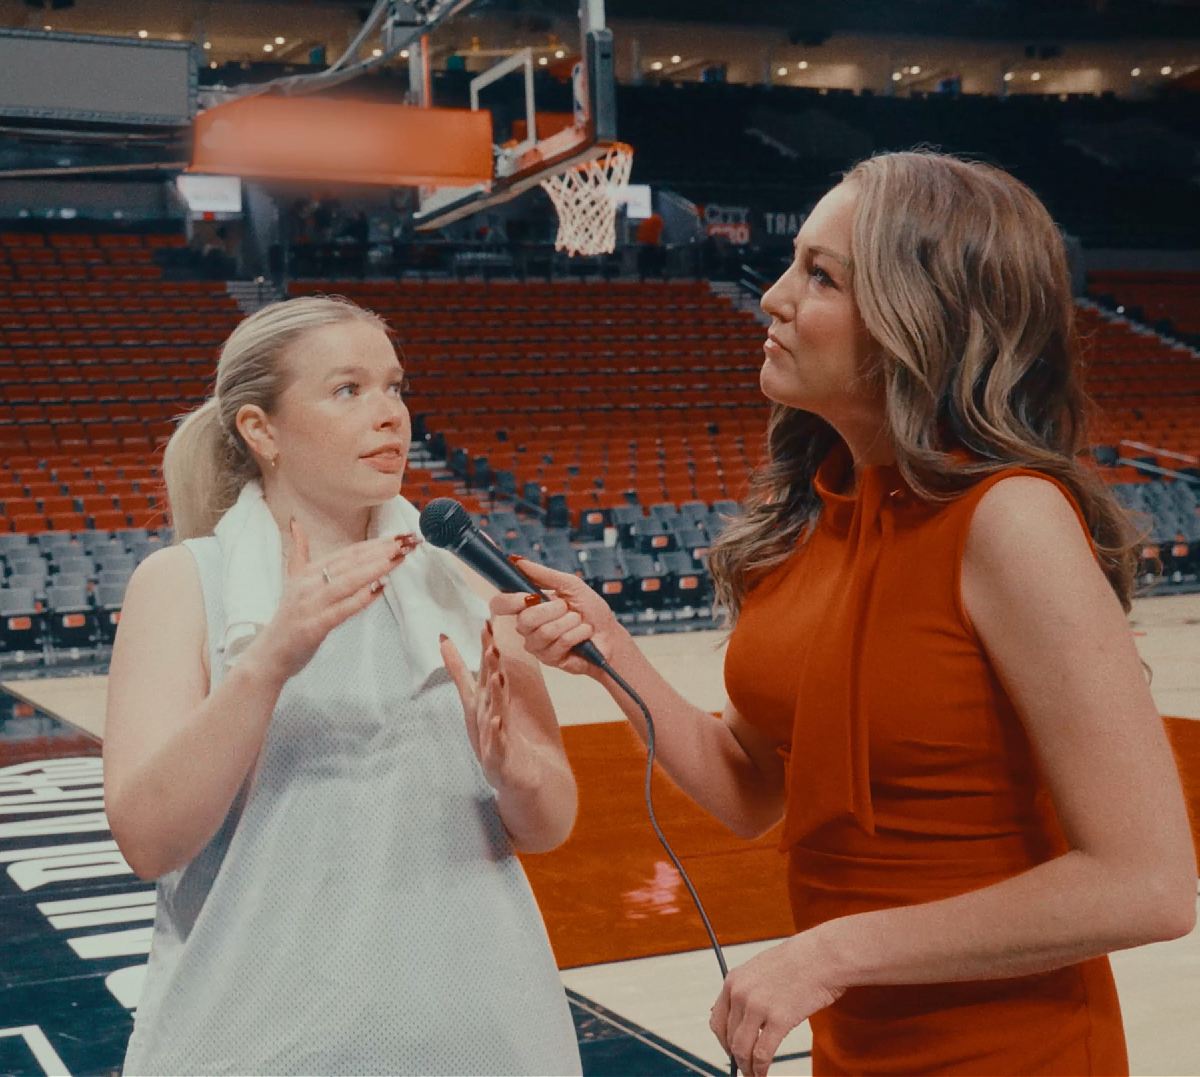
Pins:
x: 540, y: 144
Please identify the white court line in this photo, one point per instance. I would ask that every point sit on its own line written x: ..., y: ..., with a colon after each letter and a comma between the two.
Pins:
x: 39, y: 1046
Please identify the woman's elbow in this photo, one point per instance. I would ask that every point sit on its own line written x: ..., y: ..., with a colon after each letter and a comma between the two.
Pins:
x: 140, y: 859
x: 1174, y: 910
x: 546, y: 838
x: 132, y: 843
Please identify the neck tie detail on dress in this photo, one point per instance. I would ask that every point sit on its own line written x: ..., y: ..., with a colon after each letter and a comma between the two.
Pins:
x: 829, y: 773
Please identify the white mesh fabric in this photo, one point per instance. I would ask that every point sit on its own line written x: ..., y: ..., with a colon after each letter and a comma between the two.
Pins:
x: 361, y: 910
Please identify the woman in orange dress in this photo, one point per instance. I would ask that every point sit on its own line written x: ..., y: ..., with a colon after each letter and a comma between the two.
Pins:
x: 931, y: 676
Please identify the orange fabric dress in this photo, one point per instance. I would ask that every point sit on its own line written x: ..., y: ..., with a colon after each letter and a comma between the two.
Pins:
x: 910, y: 779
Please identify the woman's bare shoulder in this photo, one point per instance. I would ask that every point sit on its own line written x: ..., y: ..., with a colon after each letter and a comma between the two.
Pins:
x: 167, y: 585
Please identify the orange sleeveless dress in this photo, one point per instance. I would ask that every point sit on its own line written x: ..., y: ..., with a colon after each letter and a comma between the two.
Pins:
x: 910, y: 779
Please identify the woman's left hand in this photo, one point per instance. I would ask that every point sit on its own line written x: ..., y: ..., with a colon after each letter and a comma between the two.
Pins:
x: 508, y: 758
x: 764, y: 999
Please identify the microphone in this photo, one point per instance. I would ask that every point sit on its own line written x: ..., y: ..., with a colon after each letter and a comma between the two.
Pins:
x: 447, y: 525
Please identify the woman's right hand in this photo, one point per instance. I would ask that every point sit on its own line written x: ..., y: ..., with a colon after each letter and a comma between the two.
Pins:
x: 319, y: 597
x: 573, y: 614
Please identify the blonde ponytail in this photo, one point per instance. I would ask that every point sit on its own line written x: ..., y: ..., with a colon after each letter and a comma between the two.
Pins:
x: 204, y: 471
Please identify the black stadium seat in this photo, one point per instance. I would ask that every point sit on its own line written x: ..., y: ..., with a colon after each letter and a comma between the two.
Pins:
x: 114, y: 577
x: 647, y: 580
x: 605, y: 574
x: 70, y: 616
x: 109, y: 599
x: 687, y: 584
x: 21, y: 622
x: 653, y: 535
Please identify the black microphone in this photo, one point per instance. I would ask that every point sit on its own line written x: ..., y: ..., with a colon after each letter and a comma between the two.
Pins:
x: 447, y: 525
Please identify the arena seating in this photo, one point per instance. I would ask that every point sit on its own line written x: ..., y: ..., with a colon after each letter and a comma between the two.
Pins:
x: 581, y: 402
x: 1154, y: 297
x: 619, y: 410
x: 597, y: 392
x: 97, y: 355
x: 1147, y: 391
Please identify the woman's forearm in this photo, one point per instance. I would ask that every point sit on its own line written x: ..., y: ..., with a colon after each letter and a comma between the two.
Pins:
x: 697, y: 749
x: 539, y: 814
x: 1060, y: 913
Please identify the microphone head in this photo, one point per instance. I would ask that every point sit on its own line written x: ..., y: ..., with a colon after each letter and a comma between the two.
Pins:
x: 443, y: 520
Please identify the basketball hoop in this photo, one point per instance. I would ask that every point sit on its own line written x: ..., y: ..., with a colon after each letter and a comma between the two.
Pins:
x: 585, y: 200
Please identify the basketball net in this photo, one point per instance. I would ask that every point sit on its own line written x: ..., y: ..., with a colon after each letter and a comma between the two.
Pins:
x: 585, y: 199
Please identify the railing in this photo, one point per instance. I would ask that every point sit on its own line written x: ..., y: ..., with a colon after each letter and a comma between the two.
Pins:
x: 752, y: 281
x: 1185, y: 458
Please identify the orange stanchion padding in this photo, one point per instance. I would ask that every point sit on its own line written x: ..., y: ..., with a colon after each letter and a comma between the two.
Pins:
x: 308, y: 138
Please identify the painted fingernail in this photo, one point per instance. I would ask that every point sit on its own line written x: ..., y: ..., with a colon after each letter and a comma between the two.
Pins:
x: 533, y: 600
x: 408, y: 536
x: 376, y: 587
x: 442, y: 637
x: 515, y: 558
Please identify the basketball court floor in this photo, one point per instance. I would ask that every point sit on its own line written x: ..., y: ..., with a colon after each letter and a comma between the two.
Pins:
x: 637, y: 973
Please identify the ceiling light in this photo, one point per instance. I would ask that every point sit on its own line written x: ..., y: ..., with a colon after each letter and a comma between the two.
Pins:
x: 268, y: 47
x: 1136, y: 71
x: 1036, y: 76
x: 542, y: 61
x: 212, y: 64
x: 280, y: 40
x: 377, y: 52
x: 896, y: 76
x: 1167, y: 69
x: 47, y: 27
x: 803, y: 65
x: 207, y: 45
x: 404, y: 54
x: 143, y: 34
x: 656, y: 66
x: 1008, y: 76
x: 676, y: 58
x: 916, y: 70
x: 781, y: 71
x: 559, y: 54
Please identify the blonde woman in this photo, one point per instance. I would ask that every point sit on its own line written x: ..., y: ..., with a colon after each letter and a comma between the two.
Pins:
x: 285, y: 751
x: 931, y: 678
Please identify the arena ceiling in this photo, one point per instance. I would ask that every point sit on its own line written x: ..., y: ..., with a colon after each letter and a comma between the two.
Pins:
x: 1068, y: 20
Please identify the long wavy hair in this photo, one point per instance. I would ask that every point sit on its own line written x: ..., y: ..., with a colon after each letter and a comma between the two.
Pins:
x: 961, y: 279
x: 206, y: 462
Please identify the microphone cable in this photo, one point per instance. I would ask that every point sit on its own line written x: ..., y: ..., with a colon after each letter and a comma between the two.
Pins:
x: 658, y: 831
